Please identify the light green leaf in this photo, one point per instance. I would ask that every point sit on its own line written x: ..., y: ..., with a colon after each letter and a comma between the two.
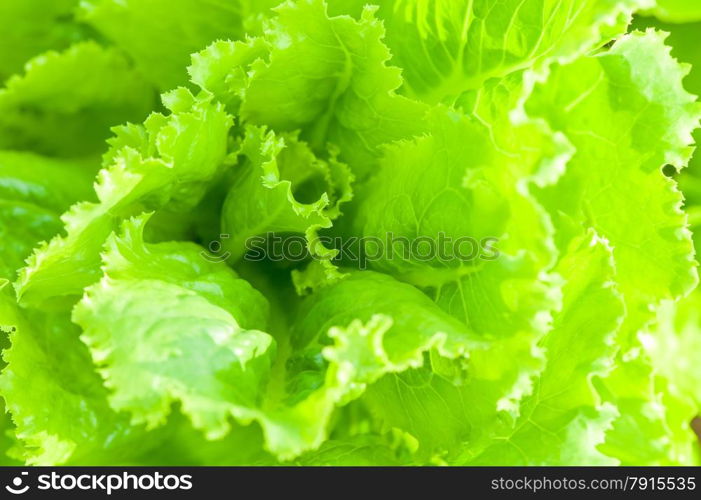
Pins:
x: 160, y: 35
x: 325, y: 365
x: 460, y: 167
x: 169, y: 162
x: 282, y: 188
x: 505, y: 296
x: 398, y: 342
x: 627, y: 114
x: 654, y: 425
x: 34, y: 191
x: 677, y: 11
x: 338, y: 87
x: 198, y: 348
x: 564, y: 419
x: 684, y: 40
x: 30, y: 27
x: 674, y: 345
x: 66, y: 102
x: 58, y: 403
x: 672, y: 351
x: 447, y: 47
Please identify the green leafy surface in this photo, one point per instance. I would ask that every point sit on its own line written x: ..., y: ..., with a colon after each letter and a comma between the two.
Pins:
x: 447, y: 47
x: 168, y: 161
x: 339, y: 87
x: 281, y: 178
x: 160, y: 35
x: 30, y: 27
x: 211, y: 364
x: 59, y: 406
x: 677, y: 11
x: 654, y: 260
x: 564, y: 419
x: 65, y: 102
x: 34, y: 191
x: 493, y: 205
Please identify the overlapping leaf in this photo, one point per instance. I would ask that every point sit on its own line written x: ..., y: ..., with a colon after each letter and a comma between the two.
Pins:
x: 171, y: 160
x: 504, y: 293
x: 565, y: 419
x: 614, y: 183
x: 338, y: 88
x: 160, y: 35
x: 66, y: 102
x: 59, y: 404
x: 529, y: 259
x: 447, y: 47
x: 34, y: 191
x: 282, y: 187
x: 30, y: 27
x: 199, y: 347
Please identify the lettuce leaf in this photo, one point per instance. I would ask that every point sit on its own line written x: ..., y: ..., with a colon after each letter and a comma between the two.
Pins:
x: 677, y: 11
x: 494, y: 263
x: 645, y: 109
x: 565, y: 418
x: 65, y: 102
x: 654, y: 260
x: 59, y: 405
x: 169, y: 161
x: 342, y: 91
x: 215, y: 364
x: 30, y: 27
x: 160, y: 35
x: 34, y: 191
x: 283, y: 179
x: 449, y: 47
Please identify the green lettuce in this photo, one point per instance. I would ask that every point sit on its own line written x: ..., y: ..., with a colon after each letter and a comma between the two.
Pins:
x: 65, y: 102
x: 494, y: 207
x: 34, y: 26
